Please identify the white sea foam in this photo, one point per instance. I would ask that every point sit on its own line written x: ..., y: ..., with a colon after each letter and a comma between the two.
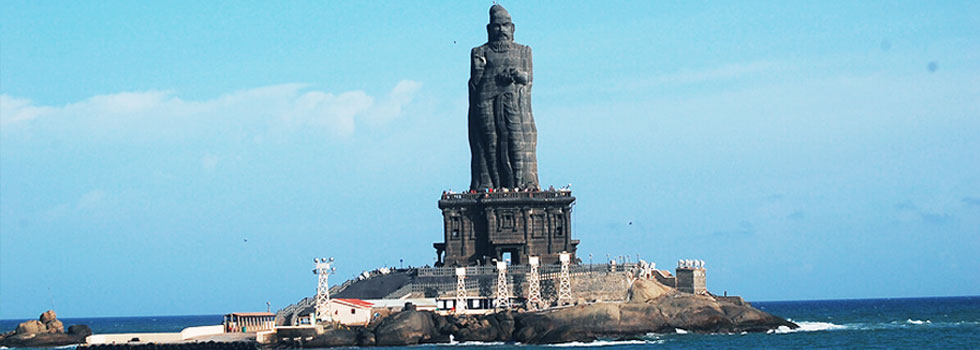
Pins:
x: 473, y: 343
x: 911, y: 321
x: 606, y: 343
x: 809, y: 327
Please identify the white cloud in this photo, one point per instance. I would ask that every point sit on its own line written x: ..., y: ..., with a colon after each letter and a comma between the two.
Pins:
x: 391, y: 108
x: 155, y: 114
x: 14, y: 110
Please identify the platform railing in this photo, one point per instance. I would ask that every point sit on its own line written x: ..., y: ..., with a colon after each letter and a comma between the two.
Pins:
x: 521, y: 269
x: 501, y: 195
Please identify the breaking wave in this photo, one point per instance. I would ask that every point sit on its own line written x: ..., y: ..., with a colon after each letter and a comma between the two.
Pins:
x: 606, y: 343
x: 808, y: 327
x: 473, y: 343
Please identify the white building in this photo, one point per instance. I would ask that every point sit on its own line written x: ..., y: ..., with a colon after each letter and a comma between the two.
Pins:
x: 351, y: 312
x: 348, y: 312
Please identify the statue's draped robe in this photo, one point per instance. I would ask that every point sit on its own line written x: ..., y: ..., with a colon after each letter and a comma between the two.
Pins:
x: 503, y: 137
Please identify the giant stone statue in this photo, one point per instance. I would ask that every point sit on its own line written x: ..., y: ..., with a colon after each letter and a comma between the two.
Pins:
x: 479, y: 227
x: 502, y: 134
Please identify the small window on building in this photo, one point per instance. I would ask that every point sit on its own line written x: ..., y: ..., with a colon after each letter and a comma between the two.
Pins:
x: 559, y: 225
x: 455, y: 226
x: 507, y: 221
x: 351, y: 311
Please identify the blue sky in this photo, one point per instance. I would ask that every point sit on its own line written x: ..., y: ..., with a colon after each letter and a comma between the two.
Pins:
x: 804, y: 150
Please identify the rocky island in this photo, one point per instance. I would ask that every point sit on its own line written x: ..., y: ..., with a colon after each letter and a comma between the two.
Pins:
x: 650, y: 308
x: 46, y: 331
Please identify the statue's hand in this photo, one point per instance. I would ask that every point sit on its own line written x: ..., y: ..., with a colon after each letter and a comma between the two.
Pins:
x: 518, y: 76
x: 505, y: 77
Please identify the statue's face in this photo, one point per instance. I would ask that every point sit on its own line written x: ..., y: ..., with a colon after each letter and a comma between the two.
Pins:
x: 500, y: 31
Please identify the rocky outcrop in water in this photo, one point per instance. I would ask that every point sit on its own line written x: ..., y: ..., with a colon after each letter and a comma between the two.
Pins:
x: 651, y: 308
x: 46, y: 331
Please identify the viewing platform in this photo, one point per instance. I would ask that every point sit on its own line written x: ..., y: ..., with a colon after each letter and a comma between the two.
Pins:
x: 505, y: 225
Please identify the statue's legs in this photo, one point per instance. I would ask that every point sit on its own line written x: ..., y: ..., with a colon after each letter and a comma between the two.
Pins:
x: 516, y: 147
x: 488, y: 136
x: 479, y: 174
x: 505, y: 165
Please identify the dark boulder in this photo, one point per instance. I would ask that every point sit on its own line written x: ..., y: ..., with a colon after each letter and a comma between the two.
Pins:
x: 333, y: 337
x: 80, y: 330
x: 365, y: 337
x: 408, y: 327
x: 40, y: 340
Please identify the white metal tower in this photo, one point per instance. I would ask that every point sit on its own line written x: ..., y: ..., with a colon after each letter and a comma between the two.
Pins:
x: 564, y: 280
x: 534, y: 285
x: 503, y: 293
x: 460, y: 290
x: 322, y: 268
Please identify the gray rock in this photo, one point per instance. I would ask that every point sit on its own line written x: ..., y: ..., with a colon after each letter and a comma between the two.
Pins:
x: 41, y: 340
x: 408, y: 327
x: 366, y: 337
x: 483, y: 328
x: 333, y: 337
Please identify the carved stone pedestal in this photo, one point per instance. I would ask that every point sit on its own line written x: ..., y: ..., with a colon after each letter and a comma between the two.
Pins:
x: 480, y: 227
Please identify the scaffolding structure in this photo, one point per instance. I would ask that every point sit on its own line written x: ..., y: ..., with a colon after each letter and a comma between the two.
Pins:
x: 564, y: 280
x: 460, y: 289
x: 503, y: 293
x: 322, y: 268
x: 534, y: 285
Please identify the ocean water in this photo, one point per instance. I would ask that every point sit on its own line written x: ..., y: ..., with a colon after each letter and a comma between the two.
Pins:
x: 908, y: 323
x: 135, y: 324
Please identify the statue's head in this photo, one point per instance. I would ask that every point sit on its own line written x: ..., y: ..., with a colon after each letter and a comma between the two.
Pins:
x: 500, y: 27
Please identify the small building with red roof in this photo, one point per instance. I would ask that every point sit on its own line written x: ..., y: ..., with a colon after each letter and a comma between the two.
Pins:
x: 351, y: 312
